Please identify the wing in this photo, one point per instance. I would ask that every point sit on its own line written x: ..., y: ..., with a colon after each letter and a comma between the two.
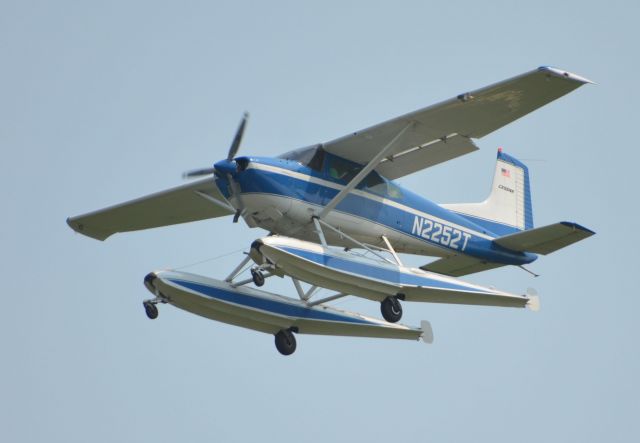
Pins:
x: 444, y: 131
x: 198, y: 200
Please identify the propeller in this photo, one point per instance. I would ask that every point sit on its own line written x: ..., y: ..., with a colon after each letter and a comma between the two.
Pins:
x: 235, y: 145
x: 198, y: 172
x: 233, y: 150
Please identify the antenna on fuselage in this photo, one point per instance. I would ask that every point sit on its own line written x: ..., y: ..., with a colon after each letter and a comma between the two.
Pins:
x: 529, y: 271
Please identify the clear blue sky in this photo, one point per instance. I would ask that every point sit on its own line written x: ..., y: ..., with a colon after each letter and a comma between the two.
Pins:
x: 105, y: 101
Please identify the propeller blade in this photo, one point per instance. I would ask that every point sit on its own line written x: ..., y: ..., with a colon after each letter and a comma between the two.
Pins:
x: 233, y: 150
x: 235, y: 145
x: 198, y: 172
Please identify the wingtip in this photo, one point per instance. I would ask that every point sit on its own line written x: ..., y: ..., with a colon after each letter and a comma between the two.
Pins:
x: 578, y: 227
x: 557, y: 72
x: 81, y: 229
x: 73, y: 224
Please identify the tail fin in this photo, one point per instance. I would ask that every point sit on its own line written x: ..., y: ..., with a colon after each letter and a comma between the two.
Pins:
x: 508, y: 207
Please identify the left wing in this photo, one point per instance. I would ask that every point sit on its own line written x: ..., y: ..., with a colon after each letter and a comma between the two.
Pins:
x: 444, y: 131
x: 198, y: 200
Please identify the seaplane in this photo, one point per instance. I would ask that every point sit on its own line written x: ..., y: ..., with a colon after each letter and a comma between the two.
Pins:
x: 336, y: 220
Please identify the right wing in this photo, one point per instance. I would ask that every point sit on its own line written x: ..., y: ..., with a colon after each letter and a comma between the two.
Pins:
x: 198, y: 200
x: 444, y: 131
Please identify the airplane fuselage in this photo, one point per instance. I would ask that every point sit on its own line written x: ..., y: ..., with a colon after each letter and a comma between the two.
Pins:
x: 282, y: 196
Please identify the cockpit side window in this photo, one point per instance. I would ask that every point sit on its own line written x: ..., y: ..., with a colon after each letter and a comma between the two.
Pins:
x: 344, y: 170
x: 341, y: 169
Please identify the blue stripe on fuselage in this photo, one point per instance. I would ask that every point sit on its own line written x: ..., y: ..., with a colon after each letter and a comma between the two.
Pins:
x: 255, y: 180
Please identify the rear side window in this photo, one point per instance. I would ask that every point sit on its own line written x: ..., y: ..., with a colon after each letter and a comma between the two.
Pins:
x: 377, y: 185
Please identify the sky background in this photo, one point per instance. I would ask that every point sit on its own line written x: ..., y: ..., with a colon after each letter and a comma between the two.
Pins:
x: 101, y: 102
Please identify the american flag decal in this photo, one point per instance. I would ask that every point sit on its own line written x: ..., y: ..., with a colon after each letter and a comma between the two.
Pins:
x: 506, y: 172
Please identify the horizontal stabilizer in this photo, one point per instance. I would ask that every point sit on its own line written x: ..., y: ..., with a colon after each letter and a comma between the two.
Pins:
x: 197, y: 200
x: 546, y: 239
x: 459, y: 265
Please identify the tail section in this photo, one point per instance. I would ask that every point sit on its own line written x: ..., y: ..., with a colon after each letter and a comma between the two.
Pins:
x: 507, y: 213
x: 508, y: 207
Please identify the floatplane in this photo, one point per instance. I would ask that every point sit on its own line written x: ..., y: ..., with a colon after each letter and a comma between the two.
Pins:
x: 336, y: 220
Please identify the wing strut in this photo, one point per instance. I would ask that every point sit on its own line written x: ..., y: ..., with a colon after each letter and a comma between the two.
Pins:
x: 355, y: 181
x: 319, y: 231
x: 304, y: 296
x: 327, y: 299
x: 369, y: 248
x: 391, y: 250
x: 216, y: 202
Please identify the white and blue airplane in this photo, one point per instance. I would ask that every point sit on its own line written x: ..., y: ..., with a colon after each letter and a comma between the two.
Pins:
x: 341, y: 193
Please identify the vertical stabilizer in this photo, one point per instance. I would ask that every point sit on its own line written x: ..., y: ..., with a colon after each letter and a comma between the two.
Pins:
x: 508, y: 207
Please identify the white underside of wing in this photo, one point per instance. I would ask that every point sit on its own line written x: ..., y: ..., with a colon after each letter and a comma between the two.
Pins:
x: 469, y: 115
x: 198, y: 200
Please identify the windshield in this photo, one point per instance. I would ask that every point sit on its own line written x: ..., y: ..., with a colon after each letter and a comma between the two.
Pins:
x: 311, y: 156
